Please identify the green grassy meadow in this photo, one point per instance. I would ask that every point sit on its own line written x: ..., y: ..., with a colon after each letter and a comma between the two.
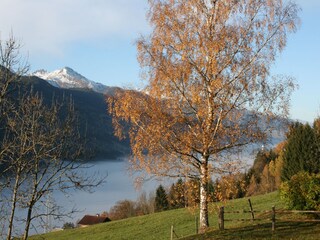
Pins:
x: 158, y: 225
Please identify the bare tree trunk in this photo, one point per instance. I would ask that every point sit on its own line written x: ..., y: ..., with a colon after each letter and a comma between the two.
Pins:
x: 13, y: 206
x: 32, y: 200
x: 204, y: 219
x: 29, y: 217
x: 28, y: 221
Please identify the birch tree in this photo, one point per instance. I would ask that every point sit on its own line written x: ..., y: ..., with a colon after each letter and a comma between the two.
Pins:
x: 206, y: 66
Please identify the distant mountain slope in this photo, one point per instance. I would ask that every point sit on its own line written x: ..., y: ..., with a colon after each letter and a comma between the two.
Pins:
x: 90, y: 102
x: 95, y: 122
x: 70, y: 79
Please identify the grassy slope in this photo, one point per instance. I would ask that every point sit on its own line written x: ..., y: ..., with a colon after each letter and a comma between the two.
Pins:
x: 157, y: 226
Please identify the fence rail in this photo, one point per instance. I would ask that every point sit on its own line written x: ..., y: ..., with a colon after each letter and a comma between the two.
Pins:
x: 246, y: 211
x: 242, y: 220
x: 297, y: 211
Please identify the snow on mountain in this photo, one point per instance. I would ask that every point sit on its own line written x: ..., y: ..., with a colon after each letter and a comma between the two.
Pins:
x: 68, y: 78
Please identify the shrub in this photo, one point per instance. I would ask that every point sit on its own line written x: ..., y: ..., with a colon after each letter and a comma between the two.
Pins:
x: 68, y: 225
x: 302, y: 192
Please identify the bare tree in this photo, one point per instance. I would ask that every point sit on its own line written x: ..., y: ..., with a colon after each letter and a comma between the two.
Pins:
x: 207, y: 69
x: 123, y: 209
x: 40, y: 155
x: 12, y: 68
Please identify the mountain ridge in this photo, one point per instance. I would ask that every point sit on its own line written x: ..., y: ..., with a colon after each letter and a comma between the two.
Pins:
x: 70, y: 79
x: 95, y: 123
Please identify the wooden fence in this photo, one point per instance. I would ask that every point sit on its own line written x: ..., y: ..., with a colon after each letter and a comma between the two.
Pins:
x: 273, y: 212
x: 252, y: 217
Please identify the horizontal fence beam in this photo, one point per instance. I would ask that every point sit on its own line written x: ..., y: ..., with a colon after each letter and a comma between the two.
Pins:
x: 269, y: 219
x: 277, y: 211
x: 298, y: 220
x: 244, y: 219
x: 247, y: 211
x: 296, y: 211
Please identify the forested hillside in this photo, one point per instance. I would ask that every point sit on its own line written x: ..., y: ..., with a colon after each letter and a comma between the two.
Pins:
x: 94, y: 122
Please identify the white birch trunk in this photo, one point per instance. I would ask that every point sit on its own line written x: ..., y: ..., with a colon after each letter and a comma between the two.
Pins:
x: 204, y: 219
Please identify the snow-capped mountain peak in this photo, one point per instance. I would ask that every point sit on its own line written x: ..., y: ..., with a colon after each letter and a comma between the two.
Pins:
x: 69, y: 78
x: 68, y: 73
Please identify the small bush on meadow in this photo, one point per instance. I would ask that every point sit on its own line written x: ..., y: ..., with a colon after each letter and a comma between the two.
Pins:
x: 302, y: 192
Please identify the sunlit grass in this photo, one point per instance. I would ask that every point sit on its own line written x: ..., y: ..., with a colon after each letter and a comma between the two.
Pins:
x: 158, y: 226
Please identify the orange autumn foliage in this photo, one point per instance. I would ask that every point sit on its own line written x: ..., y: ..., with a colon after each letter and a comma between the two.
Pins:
x: 206, y: 65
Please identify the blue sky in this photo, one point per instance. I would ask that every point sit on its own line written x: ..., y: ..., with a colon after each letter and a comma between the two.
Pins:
x: 96, y: 38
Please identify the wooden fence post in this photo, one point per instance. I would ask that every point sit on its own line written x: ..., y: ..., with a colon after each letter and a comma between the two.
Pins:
x: 273, y: 218
x: 221, y: 218
x: 171, y: 232
x: 251, y: 209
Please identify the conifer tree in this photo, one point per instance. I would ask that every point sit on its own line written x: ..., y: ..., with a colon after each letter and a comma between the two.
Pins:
x: 161, y: 201
x: 315, y: 165
x: 300, y: 151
